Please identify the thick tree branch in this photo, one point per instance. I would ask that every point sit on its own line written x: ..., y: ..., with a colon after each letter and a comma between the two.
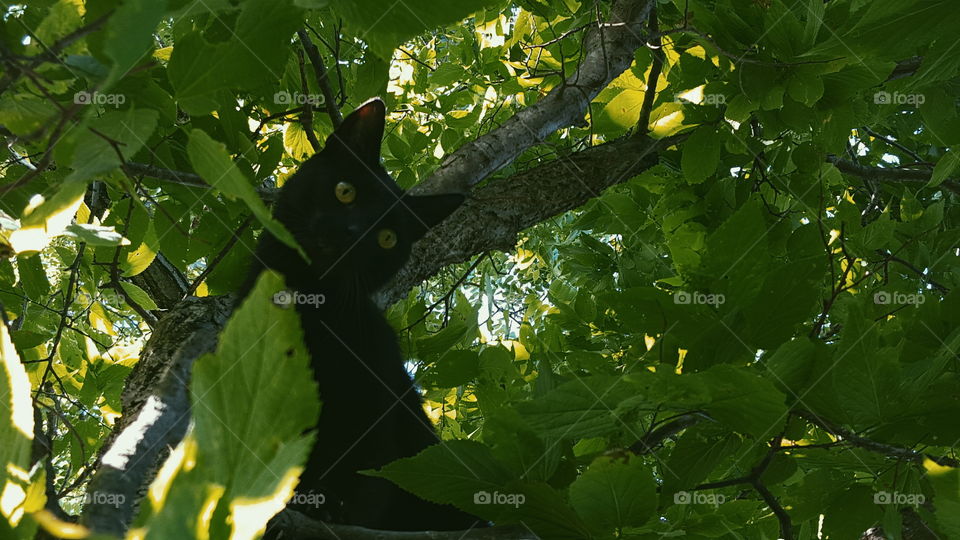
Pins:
x: 491, y: 218
x: 156, y: 411
x: 913, y: 176
x: 608, y: 53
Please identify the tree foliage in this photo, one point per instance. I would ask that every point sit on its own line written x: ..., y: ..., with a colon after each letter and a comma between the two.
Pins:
x: 749, y: 329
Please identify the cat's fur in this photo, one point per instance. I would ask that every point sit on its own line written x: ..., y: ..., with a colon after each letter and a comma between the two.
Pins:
x: 372, y: 413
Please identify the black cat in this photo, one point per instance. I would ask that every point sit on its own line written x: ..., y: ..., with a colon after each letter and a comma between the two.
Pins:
x: 357, y: 227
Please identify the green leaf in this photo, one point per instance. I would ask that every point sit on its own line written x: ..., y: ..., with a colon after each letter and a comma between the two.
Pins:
x: 16, y: 431
x: 384, y: 26
x: 96, y: 235
x: 945, y: 168
x: 701, y: 155
x: 295, y: 141
x: 745, y: 401
x: 139, y: 296
x: 28, y: 339
x: 612, y: 494
x: 851, y: 513
x: 946, y: 483
x: 518, y: 447
x: 253, y: 56
x: 879, y: 233
x: 45, y: 219
x: 262, y: 342
x: 137, y: 260
x: 24, y: 114
x: 33, y: 277
x: 866, y: 377
x: 251, y: 402
x: 130, y: 35
x: 453, y: 472
x: 791, y: 366
x: 438, y: 344
x: 457, y: 367
x: 807, y: 158
x: 696, y: 454
x: 580, y: 408
x: 212, y: 162
x: 623, y: 109
x: 127, y: 130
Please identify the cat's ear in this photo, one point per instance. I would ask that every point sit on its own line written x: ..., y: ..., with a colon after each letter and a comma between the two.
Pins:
x: 429, y: 210
x: 361, y: 132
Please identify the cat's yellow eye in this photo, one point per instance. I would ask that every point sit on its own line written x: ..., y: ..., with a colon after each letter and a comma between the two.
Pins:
x: 346, y: 193
x: 386, y: 238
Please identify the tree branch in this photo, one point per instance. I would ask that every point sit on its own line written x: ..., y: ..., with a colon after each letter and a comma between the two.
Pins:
x: 323, y: 81
x: 649, y: 442
x: 156, y: 411
x: 185, y: 178
x: 890, y: 450
x: 656, y: 67
x: 306, y: 112
x: 890, y: 175
x: 608, y: 54
x: 491, y: 218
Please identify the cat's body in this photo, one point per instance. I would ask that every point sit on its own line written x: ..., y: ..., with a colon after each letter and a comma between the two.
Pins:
x: 357, y: 227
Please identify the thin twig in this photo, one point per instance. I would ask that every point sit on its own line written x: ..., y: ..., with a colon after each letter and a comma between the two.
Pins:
x: 52, y: 51
x: 219, y: 257
x: 415, y: 59
x: 445, y: 297
x: 306, y: 112
x: 890, y: 450
x: 329, y: 100
x: 894, y: 143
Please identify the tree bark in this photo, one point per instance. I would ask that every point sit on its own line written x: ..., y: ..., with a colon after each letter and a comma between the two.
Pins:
x: 156, y: 412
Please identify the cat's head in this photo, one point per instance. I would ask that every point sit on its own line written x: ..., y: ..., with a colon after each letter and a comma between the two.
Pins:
x: 348, y: 214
